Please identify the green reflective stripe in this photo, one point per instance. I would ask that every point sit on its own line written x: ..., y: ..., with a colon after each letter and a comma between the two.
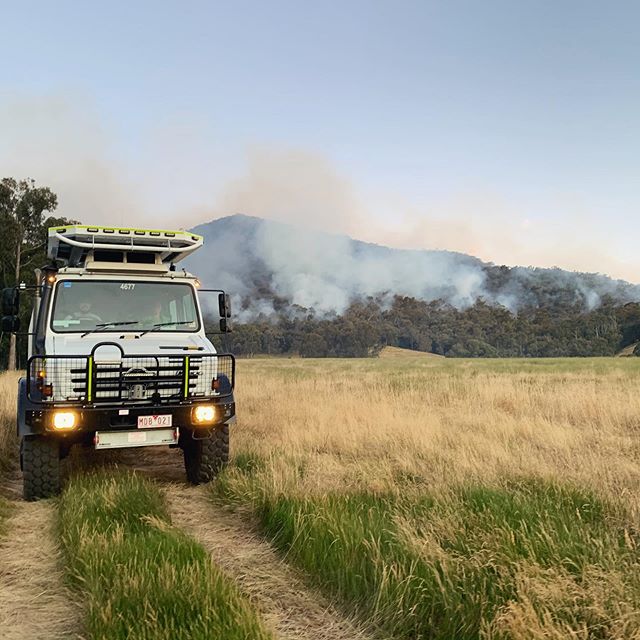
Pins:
x: 186, y: 377
x: 90, y: 379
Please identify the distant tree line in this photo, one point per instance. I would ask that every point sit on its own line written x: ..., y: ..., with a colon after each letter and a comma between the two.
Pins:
x: 481, y: 330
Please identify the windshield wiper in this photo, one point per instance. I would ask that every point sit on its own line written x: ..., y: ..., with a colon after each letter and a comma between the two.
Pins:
x: 164, y: 324
x: 105, y: 325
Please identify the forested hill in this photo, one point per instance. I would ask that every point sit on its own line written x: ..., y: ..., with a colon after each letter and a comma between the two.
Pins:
x: 299, y: 291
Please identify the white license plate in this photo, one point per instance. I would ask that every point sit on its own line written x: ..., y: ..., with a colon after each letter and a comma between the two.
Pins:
x: 152, y: 437
x: 150, y: 422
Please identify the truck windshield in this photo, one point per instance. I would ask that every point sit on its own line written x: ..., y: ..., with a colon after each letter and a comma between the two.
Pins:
x: 87, y: 305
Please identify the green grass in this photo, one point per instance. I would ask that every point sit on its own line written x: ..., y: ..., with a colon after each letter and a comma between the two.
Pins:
x: 141, y: 578
x: 455, y: 566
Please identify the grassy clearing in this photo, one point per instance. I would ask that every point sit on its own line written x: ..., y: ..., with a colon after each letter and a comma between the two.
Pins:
x: 467, y: 499
x: 142, y: 578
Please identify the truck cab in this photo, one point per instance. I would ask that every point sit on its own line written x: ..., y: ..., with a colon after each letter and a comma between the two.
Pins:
x: 118, y: 354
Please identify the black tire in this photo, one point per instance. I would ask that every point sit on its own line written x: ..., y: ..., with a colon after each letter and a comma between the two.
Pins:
x: 203, y: 459
x: 40, y: 467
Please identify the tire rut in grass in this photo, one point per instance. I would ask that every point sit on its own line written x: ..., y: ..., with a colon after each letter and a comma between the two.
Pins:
x: 34, y: 601
x: 287, y: 605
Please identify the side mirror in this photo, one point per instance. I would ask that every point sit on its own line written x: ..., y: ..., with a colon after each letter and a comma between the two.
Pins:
x: 10, y: 324
x: 224, y: 305
x: 10, y: 301
x: 224, y: 326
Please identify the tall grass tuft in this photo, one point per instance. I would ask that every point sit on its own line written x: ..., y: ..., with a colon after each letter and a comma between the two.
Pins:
x: 142, y: 578
x: 8, y: 438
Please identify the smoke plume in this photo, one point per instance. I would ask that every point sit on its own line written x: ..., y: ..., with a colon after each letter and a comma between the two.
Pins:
x: 262, y: 262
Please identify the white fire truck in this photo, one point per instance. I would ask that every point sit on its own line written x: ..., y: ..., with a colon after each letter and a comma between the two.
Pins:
x: 118, y: 355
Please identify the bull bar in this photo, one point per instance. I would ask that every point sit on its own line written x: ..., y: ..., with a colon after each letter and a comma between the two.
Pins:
x: 139, y: 380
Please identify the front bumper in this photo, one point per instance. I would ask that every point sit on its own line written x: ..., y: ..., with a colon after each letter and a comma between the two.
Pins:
x: 34, y: 419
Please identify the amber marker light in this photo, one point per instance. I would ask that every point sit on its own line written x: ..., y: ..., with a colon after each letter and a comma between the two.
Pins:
x: 51, y: 279
x: 64, y: 420
x: 204, y: 414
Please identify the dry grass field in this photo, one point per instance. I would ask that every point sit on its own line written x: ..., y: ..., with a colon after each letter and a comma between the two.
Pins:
x: 387, y: 424
x: 439, y: 498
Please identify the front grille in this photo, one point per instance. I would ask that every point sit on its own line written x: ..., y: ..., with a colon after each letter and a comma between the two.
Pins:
x: 140, y: 379
x: 137, y: 379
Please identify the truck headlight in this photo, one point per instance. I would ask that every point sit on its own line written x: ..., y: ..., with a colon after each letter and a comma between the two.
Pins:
x: 204, y: 414
x: 64, y: 420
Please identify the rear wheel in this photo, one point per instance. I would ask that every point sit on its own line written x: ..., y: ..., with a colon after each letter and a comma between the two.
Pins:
x: 40, y: 467
x: 203, y: 459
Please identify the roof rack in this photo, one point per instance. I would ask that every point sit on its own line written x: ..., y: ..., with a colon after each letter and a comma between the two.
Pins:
x: 75, y: 245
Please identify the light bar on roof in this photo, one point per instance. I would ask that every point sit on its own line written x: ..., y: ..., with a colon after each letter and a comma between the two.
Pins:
x: 71, y: 243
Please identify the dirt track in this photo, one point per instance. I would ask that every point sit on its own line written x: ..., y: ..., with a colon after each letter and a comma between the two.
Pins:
x: 35, y: 604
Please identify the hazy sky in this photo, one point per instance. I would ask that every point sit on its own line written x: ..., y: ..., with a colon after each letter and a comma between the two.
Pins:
x: 507, y: 129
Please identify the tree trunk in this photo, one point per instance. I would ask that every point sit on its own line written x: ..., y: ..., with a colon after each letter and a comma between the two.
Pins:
x: 11, y: 365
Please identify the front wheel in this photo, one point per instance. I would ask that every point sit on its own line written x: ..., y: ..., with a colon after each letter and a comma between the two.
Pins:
x: 204, y: 458
x: 40, y: 467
